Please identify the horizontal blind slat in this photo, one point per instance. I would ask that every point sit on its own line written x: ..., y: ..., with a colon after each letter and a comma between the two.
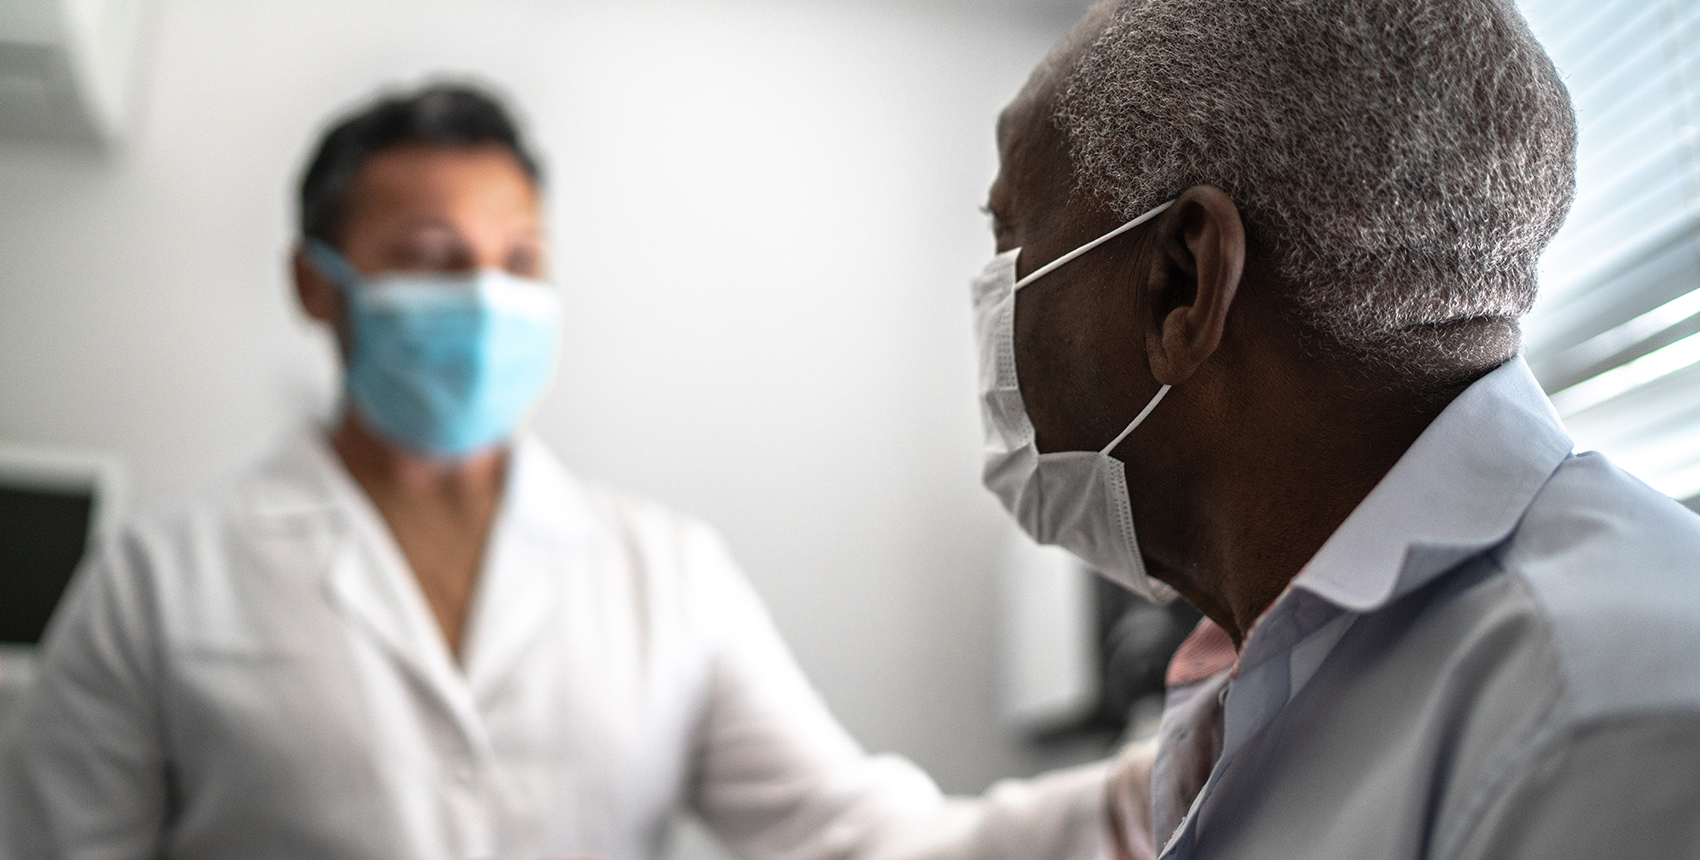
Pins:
x: 1624, y: 61
x: 1590, y: 255
x: 1649, y: 430
x: 1668, y: 267
x: 1616, y: 333
x: 1573, y: 36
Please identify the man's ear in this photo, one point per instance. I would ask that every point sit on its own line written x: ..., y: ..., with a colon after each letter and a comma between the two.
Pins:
x: 318, y: 296
x: 1200, y: 259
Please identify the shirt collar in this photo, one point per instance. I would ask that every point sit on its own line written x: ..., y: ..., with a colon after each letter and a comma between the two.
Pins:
x: 541, y: 498
x: 1461, y: 488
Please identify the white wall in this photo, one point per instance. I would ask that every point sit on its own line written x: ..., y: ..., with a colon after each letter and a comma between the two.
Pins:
x: 764, y: 220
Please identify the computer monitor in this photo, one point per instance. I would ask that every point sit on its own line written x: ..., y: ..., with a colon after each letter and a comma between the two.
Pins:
x: 52, y: 505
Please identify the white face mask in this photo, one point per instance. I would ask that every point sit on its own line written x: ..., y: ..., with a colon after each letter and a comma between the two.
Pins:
x: 1077, y: 500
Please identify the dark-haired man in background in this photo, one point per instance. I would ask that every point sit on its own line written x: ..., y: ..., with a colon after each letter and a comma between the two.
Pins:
x: 414, y: 635
x: 1256, y: 301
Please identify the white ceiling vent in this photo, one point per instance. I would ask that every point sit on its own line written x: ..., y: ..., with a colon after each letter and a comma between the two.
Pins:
x: 66, y: 68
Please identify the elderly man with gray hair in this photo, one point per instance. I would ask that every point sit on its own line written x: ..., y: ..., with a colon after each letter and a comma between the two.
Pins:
x: 1252, y: 337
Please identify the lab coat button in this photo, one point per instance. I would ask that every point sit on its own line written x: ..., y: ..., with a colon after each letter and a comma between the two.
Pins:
x: 463, y: 774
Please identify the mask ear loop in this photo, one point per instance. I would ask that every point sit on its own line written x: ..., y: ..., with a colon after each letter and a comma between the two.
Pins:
x: 334, y: 266
x: 1137, y: 420
x: 1058, y: 262
x: 1055, y: 264
x: 342, y: 275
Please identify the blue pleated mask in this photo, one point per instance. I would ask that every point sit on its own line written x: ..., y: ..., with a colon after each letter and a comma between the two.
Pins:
x: 447, y: 364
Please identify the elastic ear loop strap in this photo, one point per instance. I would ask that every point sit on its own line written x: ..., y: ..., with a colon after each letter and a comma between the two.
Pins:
x: 1137, y: 419
x: 333, y: 265
x: 1054, y: 264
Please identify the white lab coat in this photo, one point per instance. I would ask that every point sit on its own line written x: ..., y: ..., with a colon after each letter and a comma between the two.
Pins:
x: 257, y: 674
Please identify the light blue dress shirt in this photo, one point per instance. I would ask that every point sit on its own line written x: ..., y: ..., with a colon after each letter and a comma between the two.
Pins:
x: 1497, y: 655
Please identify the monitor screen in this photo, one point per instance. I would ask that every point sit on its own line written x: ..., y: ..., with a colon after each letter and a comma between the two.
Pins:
x: 43, y: 533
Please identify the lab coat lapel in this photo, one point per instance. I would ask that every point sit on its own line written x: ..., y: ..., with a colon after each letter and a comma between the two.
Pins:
x: 380, y: 610
x: 370, y: 583
x: 520, y: 590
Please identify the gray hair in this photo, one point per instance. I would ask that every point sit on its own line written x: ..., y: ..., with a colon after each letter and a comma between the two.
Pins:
x: 1398, y: 164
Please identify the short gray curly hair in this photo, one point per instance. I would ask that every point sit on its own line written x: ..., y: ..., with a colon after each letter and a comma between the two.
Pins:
x: 1399, y: 164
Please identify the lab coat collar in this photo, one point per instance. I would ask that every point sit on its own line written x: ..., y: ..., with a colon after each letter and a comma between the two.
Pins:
x: 1460, y: 489
x: 536, y: 535
x: 538, y: 540
x: 368, y: 578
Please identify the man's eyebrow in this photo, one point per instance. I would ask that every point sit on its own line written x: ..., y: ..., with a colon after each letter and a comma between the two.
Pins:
x: 414, y: 225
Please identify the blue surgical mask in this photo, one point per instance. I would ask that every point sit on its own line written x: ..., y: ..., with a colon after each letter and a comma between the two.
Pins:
x: 445, y: 364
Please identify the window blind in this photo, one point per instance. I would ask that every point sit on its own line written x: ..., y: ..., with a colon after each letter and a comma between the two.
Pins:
x: 1615, y: 335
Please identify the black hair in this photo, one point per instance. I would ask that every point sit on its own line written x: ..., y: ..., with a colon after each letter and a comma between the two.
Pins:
x: 448, y: 115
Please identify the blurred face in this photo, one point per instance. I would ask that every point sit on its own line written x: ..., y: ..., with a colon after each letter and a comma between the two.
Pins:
x: 432, y: 209
x: 452, y: 372
x: 435, y: 209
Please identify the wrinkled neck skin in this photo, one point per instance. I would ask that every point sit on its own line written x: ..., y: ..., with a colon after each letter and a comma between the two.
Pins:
x: 389, y: 473
x: 1268, y: 449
